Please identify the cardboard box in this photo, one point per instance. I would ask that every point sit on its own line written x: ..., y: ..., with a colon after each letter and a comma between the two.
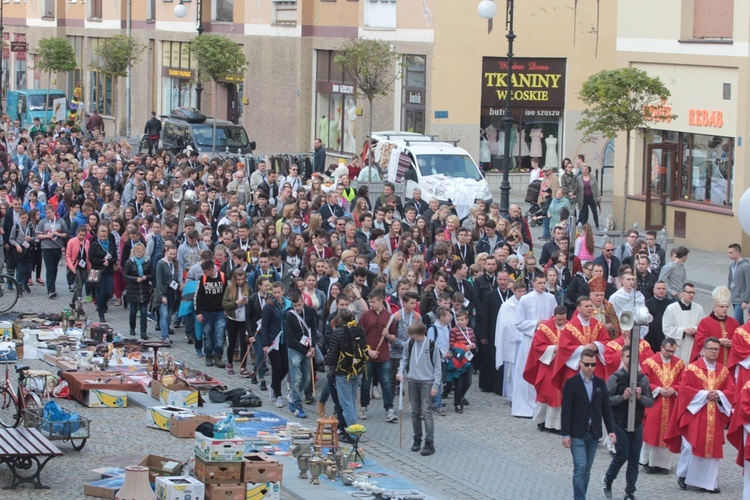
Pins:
x: 6, y: 331
x: 261, y: 468
x: 217, y: 472
x: 159, y: 417
x: 183, y: 425
x: 263, y: 491
x: 161, y: 466
x: 105, y: 398
x: 177, y: 394
x: 104, y: 488
x: 225, y: 491
x: 218, y: 450
x: 179, y: 488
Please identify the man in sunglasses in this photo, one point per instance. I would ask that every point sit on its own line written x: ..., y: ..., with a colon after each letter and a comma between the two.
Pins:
x: 585, y: 404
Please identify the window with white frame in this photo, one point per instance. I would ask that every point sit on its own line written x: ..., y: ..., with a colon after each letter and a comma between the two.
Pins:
x: 285, y: 12
x: 150, y: 10
x: 222, y: 10
x: 380, y: 14
x: 49, y: 9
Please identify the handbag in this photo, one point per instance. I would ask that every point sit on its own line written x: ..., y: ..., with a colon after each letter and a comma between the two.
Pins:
x: 94, y: 276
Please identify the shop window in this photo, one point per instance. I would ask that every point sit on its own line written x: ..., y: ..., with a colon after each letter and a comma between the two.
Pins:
x: 413, y: 94
x: 222, y: 10
x: 20, y: 74
x: 713, y: 19
x: 95, y: 10
x: 380, y: 14
x: 335, y: 105
x: 49, y: 9
x: 176, y: 81
x: 285, y: 12
x: 75, y: 76
x: 101, y: 87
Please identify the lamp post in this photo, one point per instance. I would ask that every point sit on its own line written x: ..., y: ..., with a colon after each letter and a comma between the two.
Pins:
x: 487, y: 9
x: 2, y: 26
x: 180, y: 10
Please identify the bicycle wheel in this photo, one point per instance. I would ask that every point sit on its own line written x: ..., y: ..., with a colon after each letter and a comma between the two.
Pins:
x: 8, y: 293
x: 9, y: 416
x: 32, y: 402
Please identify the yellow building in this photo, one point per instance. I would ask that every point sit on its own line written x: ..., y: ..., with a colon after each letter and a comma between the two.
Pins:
x: 683, y: 173
x: 293, y: 92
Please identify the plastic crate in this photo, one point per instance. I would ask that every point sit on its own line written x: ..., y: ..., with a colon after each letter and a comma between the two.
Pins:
x: 52, y: 430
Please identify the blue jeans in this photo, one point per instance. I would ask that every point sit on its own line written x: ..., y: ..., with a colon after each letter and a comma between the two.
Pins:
x: 347, y: 392
x: 739, y: 313
x: 628, y: 447
x: 583, y: 451
x: 214, y: 330
x: 545, y: 228
x: 383, y: 371
x: 164, y: 317
x: 259, y: 366
x: 299, y: 374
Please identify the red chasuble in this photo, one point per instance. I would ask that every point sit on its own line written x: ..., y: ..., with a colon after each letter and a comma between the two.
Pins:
x: 740, y: 417
x: 537, y: 373
x: 704, y: 430
x: 572, y: 337
x: 739, y: 352
x: 711, y: 326
x: 665, y: 376
x: 613, y: 353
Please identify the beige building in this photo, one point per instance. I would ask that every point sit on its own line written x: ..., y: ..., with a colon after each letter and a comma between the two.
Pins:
x: 683, y: 173
x: 451, y: 86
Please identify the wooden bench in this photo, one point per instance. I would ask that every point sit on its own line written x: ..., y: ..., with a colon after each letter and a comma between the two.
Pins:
x: 21, y: 449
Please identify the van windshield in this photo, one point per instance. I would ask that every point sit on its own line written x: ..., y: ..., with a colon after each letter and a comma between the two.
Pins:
x: 230, y: 136
x: 460, y: 166
x: 36, y: 102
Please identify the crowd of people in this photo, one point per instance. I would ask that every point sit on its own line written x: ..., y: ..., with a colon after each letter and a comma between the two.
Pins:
x: 294, y: 276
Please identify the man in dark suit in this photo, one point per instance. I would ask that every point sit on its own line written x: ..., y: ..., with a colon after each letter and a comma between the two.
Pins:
x: 609, y: 262
x: 585, y: 401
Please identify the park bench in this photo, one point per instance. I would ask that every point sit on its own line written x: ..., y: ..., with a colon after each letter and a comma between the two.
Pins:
x: 20, y: 449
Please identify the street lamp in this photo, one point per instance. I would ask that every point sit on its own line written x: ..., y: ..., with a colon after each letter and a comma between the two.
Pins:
x: 180, y: 10
x: 487, y: 10
x: 2, y: 26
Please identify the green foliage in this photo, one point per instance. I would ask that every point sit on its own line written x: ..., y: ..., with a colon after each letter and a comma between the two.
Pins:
x: 218, y: 57
x: 117, y: 54
x: 370, y: 64
x: 621, y: 100
x: 55, y: 55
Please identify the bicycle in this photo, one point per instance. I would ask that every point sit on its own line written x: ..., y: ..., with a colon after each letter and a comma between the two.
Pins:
x: 15, y: 403
x: 9, y: 292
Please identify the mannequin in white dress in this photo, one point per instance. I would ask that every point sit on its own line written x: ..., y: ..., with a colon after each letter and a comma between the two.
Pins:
x: 551, y: 158
x: 484, y: 148
x: 524, y: 147
x: 536, y: 135
x: 492, y: 139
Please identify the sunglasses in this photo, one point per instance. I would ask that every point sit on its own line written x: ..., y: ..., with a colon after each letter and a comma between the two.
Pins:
x: 588, y: 365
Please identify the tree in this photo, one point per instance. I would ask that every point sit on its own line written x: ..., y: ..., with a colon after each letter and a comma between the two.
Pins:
x: 218, y: 58
x: 116, y: 55
x: 55, y: 55
x: 371, y: 65
x: 623, y: 100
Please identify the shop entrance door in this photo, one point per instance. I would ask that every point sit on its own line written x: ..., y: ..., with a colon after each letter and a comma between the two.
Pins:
x: 232, y: 103
x: 660, y: 161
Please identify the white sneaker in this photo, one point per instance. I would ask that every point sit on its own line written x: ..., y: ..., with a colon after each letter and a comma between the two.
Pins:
x: 280, y: 402
x: 363, y: 413
x: 376, y: 392
x: 271, y: 395
x: 390, y: 416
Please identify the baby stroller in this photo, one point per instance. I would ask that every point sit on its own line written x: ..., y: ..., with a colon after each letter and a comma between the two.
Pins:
x: 532, y: 197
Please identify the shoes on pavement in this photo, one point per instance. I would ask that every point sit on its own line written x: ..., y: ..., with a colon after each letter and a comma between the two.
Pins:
x: 101, y: 319
x: 144, y: 336
x: 363, y: 413
x: 209, y: 360
x: 254, y: 380
x: 390, y: 416
x: 309, y: 400
x: 218, y: 363
x: 649, y: 470
x: 151, y: 317
x: 271, y: 394
x: 199, y: 353
x: 681, y: 483
x: 428, y: 449
x: 606, y: 486
x: 459, y: 409
x: 714, y: 491
x: 417, y: 445
x: 279, y: 402
x: 464, y: 402
x: 230, y: 369
x: 438, y: 410
x: 321, y: 409
x: 132, y: 332
x: 263, y: 385
x: 52, y: 295
x: 299, y: 412
x: 190, y: 341
x: 629, y: 496
x: 377, y: 393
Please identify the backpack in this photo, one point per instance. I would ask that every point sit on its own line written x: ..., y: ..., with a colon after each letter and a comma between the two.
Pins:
x: 221, y: 275
x: 353, y: 360
x: 432, y: 351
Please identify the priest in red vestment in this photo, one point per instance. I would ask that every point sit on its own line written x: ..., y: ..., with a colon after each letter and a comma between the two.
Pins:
x: 613, y: 351
x: 581, y: 332
x: 663, y: 370
x: 739, y: 427
x: 702, y: 411
x: 538, y: 371
x: 717, y: 324
x: 739, y: 356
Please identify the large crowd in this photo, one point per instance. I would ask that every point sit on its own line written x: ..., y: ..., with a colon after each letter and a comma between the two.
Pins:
x: 287, y: 274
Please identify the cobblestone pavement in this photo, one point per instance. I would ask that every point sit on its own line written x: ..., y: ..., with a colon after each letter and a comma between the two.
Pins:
x: 484, y: 453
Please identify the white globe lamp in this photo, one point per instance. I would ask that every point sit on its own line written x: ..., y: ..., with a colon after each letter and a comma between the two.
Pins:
x: 486, y: 8
x: 180, y: 10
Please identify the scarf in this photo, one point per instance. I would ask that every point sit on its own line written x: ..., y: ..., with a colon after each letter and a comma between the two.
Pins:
x: 104, y: 244
x: 139, y: 263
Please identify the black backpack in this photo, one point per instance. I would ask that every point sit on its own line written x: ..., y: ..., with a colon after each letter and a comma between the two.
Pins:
x: 353, y: 360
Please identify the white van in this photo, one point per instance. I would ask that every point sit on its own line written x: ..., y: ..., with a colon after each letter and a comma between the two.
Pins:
x: 441, y: 170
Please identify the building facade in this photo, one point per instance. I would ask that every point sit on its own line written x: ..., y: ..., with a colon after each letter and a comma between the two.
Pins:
x: 685, y: 173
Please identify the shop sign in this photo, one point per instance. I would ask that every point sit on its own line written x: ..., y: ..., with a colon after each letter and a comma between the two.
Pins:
x: 333, y: 88
x: 17, y: 46
x: 705, y: 118
x: 661, y: 113
x: 537, y: 82
x: 342, y: 89
x: 179, y: 73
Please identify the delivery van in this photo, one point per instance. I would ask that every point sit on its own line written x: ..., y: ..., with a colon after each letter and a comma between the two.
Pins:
x: 187, y: 127
x: 440, y: 169
x: 27, y: 104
